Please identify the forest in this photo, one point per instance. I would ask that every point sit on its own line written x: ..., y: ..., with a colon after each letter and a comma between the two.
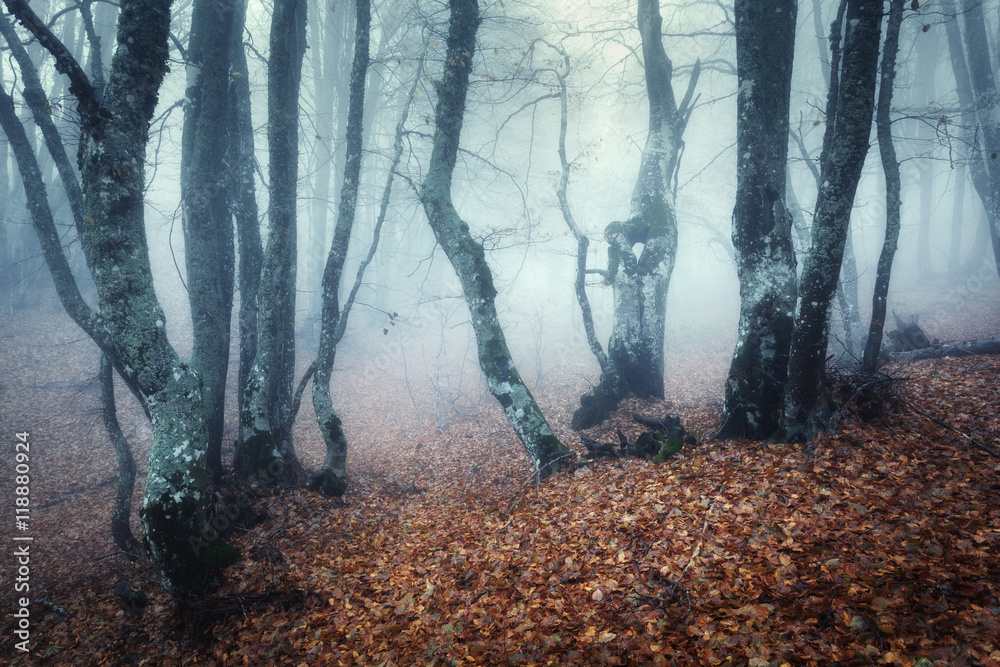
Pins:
x: 426, y: 332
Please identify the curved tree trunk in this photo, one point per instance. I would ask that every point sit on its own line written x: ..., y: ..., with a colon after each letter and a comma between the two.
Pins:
x: 762, y: 224
x: 890, y: 166
x: 208, y: 226
x: 121, y: 531
x: 266, y: 451
x: 467, y: 256
x: 845, y: 144
x: 331, y: 479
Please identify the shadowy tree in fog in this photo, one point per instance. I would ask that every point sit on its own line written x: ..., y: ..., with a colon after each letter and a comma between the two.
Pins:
x: 762, y: 224
x: 986, y: 102
x: 640, y: 282
x: 850, y: 105
x: 970, y: 148
x: 131, y: 328
x: 267, y: 449
x: 467, y: 256
x: 890, y: 166
x: 207, y: 220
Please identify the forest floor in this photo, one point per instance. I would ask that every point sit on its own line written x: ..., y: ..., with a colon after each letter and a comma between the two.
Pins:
x: 882, y: 548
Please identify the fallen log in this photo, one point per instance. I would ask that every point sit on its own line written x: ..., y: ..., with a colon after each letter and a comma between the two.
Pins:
x: 963, y: 349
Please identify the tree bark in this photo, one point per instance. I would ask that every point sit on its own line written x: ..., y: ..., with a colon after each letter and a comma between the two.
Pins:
x: 121, y: 530
x: 243, y: 200
x: 467, y: 256
x: 640, y: 283
x: 267, y: 451
x: 890, y: 166
x: 762, y: 224
x: 806, y: 405
x: 331, y: 479
x: 184, y: 552
x: 208, y: 227
x: 986, y: 102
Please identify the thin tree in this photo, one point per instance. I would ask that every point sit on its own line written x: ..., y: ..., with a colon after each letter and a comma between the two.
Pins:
x: 890, y: 167
x: 467, y: 256
x: 850, y: 106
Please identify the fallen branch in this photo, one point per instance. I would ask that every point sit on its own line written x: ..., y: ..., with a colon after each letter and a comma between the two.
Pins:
x: 975, y: 443
x: 963, y: 349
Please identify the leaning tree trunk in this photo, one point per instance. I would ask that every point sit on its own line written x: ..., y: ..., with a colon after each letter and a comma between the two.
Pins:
x: 331, y: 479
x: 266, y: 451
x: 121, y: 530
x: 762, y: 224
x: 890, y: 166
x: 806, y: 405
x: 467, y: 256
x: 208, y: 226
x: 185, y: 553
x: 640, y: 284
x: 986, y: 102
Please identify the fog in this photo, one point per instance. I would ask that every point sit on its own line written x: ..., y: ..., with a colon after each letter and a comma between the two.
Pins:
x: 410, y: 311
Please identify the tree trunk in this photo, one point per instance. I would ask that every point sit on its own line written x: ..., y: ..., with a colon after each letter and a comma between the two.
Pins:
x: 890, y: 166
x: 467, y: 256
x: 762, y: 224
x: 208, y: 226
x: 806, y: 406
x: 267, y: 451
x: 184, y: 552
x: 331, y: 479
x: 986, y: 102
x: 243, y: 200
x: 121, y: 531
x: 640, y: 283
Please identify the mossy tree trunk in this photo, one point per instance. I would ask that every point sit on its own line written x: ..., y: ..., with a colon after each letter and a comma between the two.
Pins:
x: 467, y: 256
x: 208, y: 227
x: 266, y: 450
x: 184, y: 552
x: 331, y: 479
x: 640, y: 283
x: 890, y: 167
x: 762, y: 224
x: 845, y: 144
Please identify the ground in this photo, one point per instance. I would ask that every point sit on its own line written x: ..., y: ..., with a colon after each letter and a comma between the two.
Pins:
x: 881, y: 549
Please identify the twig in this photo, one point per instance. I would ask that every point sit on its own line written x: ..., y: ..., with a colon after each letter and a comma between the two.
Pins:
x: 975, y: 443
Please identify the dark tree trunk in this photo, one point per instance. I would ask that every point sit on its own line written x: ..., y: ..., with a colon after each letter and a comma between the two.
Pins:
x: 640, y: 284
x: 977, y: 168
x: 184, y: 551
x: 266, y: 450
x: 331, y: 479
x: 467, y: 256
x: 890, y: 166
x: 243, y: 200
x: 121, y: 531
x: 986, y: 102
x: 762, y: 224
x: 806, y: 406
x: 208, y: 226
